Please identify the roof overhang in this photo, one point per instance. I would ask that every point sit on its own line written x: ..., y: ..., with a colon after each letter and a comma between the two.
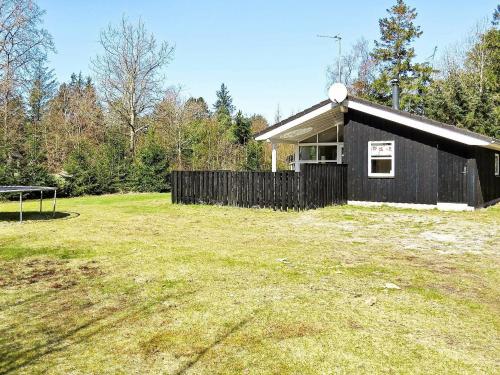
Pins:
x: 439, y: 129
x: 327, y: 114
x: 304, y: 125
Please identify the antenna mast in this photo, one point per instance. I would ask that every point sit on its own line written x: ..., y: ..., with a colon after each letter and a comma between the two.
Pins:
x: 338, y: 38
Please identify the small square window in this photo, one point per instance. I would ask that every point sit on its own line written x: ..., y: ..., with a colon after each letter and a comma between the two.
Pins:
x: 327, y: 153
x: 381, y: 159
x: 307, y: 152
x: 497, y: 165
x: 381, y: 166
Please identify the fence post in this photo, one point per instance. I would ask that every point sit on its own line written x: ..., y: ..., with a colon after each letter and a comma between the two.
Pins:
x: 172, y: 197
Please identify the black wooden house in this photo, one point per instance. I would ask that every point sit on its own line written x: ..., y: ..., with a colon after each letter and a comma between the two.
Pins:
x: 393, y: 157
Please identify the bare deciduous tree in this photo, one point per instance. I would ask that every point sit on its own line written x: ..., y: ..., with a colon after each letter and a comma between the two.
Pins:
x: 23, y: 43
x: 358, y: 69
x: 130, y: 72
x: 173, y: 120
x: 74, y: 118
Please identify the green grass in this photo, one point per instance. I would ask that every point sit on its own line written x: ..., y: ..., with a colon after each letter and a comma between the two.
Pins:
x: 134, y: 284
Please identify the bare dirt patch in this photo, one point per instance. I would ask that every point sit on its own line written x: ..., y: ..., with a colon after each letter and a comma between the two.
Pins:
x: 420, y: 231
x: 50, y: 273
x: 288, y: 330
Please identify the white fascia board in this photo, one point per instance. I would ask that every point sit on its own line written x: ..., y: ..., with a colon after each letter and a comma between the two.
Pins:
x: 289, y: 125
x: 420, y: 125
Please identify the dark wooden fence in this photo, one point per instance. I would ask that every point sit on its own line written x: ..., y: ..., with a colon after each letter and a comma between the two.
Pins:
x: 317, y: 185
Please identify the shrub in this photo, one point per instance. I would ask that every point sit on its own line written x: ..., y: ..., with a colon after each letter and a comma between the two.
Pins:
x: 150, y: 171
x: 92, y: 171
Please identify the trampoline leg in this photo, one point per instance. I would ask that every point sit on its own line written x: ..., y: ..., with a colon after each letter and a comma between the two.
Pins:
x: 20, y: 207
x: 54, y: 205
x: 41, y: 199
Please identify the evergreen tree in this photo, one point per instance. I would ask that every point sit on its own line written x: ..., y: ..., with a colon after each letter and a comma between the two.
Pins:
x: 394, y: 54
x: 43, y: 87
x: 468, y: 95
x: 224, y: 101
x: 254, y: 156
x: 151, y: 169
x: 33, y: 165
x: 242, y: 128
x: 33, y: 170
x: 83, y: 176
x: 199, y: 107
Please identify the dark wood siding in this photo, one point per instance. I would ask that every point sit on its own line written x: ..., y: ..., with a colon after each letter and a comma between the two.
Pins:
x: 452, y: 171
x: 487, y: 185
x: 428, y: 169
x: 416, y: 165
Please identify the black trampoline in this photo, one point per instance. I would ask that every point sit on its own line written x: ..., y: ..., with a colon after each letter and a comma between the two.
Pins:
x: 30, y: 189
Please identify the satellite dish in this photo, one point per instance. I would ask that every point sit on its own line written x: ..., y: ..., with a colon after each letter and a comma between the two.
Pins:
x: 337, y: 93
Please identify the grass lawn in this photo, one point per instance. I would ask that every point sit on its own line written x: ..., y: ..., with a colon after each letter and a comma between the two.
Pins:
x: 134, y: 284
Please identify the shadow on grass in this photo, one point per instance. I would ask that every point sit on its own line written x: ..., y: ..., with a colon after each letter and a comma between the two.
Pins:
x: 37, y: 216
x: 15, y: 356
x: 32, y: 299
x: 235, y: 328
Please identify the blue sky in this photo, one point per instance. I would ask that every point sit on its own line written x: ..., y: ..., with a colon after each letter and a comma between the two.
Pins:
x: 266, y: 52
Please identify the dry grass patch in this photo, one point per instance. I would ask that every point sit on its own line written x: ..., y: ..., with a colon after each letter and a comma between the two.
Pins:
x: 134, y: 284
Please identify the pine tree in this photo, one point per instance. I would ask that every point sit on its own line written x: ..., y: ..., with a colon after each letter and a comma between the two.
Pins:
x: 199, y: 105
x: 254, y: 156
x: 224, y: 101
x: 242, y: 128
x: 394, y: 54
x: 496, y: 16
x: 151, y: 167
x: 467, y: 95
x: 43, y: 87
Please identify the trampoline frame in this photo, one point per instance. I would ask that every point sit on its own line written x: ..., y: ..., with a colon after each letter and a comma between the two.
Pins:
x: 30, y: 189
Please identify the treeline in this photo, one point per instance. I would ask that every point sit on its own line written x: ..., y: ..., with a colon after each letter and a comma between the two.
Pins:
x: 461, y: 88
x: 120, y: 131
x: 123, y: 130
x: 73, y: 142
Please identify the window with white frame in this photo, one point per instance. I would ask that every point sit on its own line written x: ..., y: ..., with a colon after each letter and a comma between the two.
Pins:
x: 324, y: 147
x: 381, y: 159
x: 497, y: 165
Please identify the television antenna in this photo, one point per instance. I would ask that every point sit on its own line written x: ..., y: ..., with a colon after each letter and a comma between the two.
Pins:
x: 338, y: 39
x: 431, y: 57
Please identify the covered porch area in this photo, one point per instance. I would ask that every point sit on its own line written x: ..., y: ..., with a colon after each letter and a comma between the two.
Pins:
x: 316, y: 133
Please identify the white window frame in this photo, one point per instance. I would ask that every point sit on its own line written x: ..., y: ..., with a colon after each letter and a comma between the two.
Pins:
x: 338, y: 160
x: 317, y: 145
x: 497, y: 165
x: 391, y: 157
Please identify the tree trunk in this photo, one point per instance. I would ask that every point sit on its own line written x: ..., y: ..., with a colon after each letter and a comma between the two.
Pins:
x: 179, y: 150
x: 132, y: 141
x: 5, y: 115
x: 132, y: 133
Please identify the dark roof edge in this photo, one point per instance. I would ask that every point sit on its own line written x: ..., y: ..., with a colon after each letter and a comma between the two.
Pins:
x: 423, y: 119
x: 384, y: 108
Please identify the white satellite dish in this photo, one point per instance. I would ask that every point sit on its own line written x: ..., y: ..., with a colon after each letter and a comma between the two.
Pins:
x: 337, y: 93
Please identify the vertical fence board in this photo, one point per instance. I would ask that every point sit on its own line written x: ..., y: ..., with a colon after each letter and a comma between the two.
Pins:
x: 317, y: 185
x: 173, y: 196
